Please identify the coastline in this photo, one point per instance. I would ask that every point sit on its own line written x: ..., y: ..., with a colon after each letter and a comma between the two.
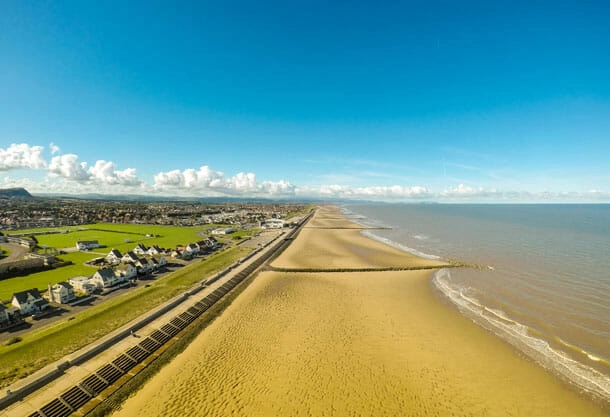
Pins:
x: 330, y: 343
x: 574, y: 365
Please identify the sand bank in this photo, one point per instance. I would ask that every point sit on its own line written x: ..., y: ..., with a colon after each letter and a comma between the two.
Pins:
x: 347, y: 344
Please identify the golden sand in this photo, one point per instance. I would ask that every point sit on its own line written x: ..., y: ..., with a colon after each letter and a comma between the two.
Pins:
x: 349, y: 344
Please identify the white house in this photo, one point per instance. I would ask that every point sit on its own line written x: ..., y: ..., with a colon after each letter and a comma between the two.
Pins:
x: 144, y: 266
x: 273, y: 223
x: 191, y: 249
x: 140, y: 249
x: 83, y: 284
x: 130, y: 257
x: 29, y: 302
x: 223, y: 231
x: 87, y: 244
x: 154, y: 250
x: 126, y: 270
x: 62, y: 293
x: 105, y: 278
x: 114, y: 257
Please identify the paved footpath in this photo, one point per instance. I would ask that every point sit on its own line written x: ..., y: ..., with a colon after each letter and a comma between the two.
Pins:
x: 76, y: 373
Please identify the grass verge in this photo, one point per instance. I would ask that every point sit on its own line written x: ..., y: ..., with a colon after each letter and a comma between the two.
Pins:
x: 38, y: 349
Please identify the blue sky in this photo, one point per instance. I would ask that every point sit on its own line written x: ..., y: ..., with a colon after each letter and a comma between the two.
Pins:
x: 396, y: 101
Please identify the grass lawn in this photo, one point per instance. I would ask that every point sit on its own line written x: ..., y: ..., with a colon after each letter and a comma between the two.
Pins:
x: 123, y: 237
x: 39, y: 348
x: 41, y: 280
x: 302, y: 212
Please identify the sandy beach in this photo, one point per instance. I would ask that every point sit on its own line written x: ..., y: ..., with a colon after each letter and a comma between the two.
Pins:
x: 349, y: 344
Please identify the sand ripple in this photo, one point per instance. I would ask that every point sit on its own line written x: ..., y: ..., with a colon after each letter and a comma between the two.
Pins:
x: 332, y: 345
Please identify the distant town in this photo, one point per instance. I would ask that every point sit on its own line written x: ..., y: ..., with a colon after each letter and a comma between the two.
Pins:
x: 20, y: 210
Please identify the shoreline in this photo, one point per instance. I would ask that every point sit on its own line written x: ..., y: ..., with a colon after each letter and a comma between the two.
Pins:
x: 584, y: 379
x: 325, y: 343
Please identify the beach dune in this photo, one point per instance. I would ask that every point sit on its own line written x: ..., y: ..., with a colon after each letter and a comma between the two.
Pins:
x: 349, y: 344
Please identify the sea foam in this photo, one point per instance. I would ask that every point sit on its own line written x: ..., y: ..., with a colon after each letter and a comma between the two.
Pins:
x: 519, y: 335
x: 399, y: 246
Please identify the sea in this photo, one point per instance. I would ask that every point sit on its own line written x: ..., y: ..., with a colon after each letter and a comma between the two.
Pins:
x: 540, y: 275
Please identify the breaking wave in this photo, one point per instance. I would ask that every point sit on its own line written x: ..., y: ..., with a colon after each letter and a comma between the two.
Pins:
x: 520, y: 336
x: 399, y: 246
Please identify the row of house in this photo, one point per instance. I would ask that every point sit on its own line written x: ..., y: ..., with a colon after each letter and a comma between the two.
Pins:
x: 111, y: 276
x: 122, y: 269
x: 31, y: 303
x: 206, y: 245
x: 24, y: 303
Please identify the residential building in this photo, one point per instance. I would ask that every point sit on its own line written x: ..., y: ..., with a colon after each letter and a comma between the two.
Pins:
x: 62, y: 293
x: 130, y: 257
x: 154, y: 250
x: 114, y: 257
x: 126, y: 270
x: 29, y: 302
x: 105, y: 278
x: 191, y: 249
x: 87, y: 244
x: 140, y: 249
x: 273, y: 223
x: 83, y: 285
x: 222, y: 231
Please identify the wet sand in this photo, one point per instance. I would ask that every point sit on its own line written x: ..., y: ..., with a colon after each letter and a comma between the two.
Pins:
x: 349, y: 344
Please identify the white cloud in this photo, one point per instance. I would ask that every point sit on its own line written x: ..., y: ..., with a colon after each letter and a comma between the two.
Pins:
x: 466, y: 192
x: 383, y: 193
x: 105, y: 172
x: 102, y: 173
x: 207, y: 181
x: 461, y: 190
x: 54, y: 148
x: 68, y: 167
x: 277, y: 188
x: 189, y: 179
x: 21, y: 155
x: 243, y: 182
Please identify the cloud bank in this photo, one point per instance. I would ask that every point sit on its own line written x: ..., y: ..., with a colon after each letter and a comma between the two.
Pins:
x: 66, y: 174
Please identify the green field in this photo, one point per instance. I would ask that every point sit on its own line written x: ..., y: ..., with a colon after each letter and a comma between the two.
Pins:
x: 41, y: 280
x: 302, y: 212
x: 39, y: 348
x: 123, y: 237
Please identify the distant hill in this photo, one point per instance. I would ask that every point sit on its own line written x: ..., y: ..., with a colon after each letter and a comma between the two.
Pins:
x: 21, y: 193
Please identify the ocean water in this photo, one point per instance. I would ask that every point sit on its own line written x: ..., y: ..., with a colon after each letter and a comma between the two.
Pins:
x: 544, y: 282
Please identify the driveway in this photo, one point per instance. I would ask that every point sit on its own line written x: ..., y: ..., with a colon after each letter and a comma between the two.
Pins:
x: 17, y: 252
